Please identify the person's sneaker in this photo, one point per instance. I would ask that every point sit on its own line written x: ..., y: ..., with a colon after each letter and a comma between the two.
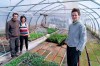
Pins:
x: 16, y: 55
x: 20, y: 52
x: 12, y: 57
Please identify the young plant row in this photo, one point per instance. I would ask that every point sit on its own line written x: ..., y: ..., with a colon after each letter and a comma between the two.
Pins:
x: 29, y: 59
x: 57, y: 38
x: 51, y: 30
x: 16, y: 61
x: 34, y: 36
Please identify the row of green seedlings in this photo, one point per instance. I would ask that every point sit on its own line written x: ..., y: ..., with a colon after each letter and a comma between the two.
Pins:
x: 51, y: 30
x: 57, y: 38
x: 34, y: 36
x: 37, y: 35
x: 29, y: 59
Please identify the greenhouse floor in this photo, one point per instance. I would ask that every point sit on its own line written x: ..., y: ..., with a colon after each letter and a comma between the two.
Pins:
x: 93, y: 51
x: 51, y: 52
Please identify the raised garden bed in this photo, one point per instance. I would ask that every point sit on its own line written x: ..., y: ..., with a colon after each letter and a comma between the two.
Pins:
x: 57, y: 38
x: 51, y: 30
x: 34, y: 36
x: 29, y: 59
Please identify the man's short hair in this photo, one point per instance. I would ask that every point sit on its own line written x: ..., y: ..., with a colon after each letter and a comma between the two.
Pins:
x: 15, y: 14
x: 76, y: 10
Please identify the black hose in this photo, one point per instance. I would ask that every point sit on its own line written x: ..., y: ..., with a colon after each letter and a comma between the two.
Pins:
x: 89, y: 64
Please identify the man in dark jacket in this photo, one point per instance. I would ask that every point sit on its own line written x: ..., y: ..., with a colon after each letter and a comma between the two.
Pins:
x: 12, y: 34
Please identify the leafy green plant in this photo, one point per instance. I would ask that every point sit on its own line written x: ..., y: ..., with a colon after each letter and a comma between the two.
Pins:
x: 57, y: 38
x: 16, y: 61
x: 34, y: 36
x: 51, y: 30
x: 29, y: 59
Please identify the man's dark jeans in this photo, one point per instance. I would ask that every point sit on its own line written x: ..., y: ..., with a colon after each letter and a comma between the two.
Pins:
x: 14, y: 44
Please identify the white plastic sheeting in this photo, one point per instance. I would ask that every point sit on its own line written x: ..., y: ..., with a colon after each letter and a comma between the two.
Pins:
x: 90, y: 10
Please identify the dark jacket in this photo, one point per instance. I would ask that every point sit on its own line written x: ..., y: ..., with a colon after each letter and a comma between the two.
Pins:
x: 12, y: 29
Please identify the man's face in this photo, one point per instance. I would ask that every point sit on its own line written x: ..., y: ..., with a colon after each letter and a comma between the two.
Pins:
x: 75, y: 16
x: 15, y: 17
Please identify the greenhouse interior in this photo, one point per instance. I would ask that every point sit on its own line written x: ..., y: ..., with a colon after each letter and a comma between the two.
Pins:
x: 48, y: 22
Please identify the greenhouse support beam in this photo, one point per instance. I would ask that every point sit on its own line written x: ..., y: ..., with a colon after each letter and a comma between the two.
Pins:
x: 92, y: 19
x: 46, y: 11
x: 34, y: 5
x: 13, y: 8
x: 95, y: 2
x: 53, y: 7
x: 31, y: 8
x: 55, y: 10
x: 99, y: 16
x: 95, y: 13
x: 46, y: 3
x: 43, y: 8
x: 37, y: 21
x: 38, y: 11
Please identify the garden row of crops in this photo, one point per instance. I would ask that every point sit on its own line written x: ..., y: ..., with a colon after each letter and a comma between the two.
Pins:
x: 29, y: 59
x: 34, y: 36
x: 51, y: 30
x: 57, y: 38
x: 4, y: 44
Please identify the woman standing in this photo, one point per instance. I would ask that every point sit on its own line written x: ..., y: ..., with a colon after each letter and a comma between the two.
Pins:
x: 24, y: 33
